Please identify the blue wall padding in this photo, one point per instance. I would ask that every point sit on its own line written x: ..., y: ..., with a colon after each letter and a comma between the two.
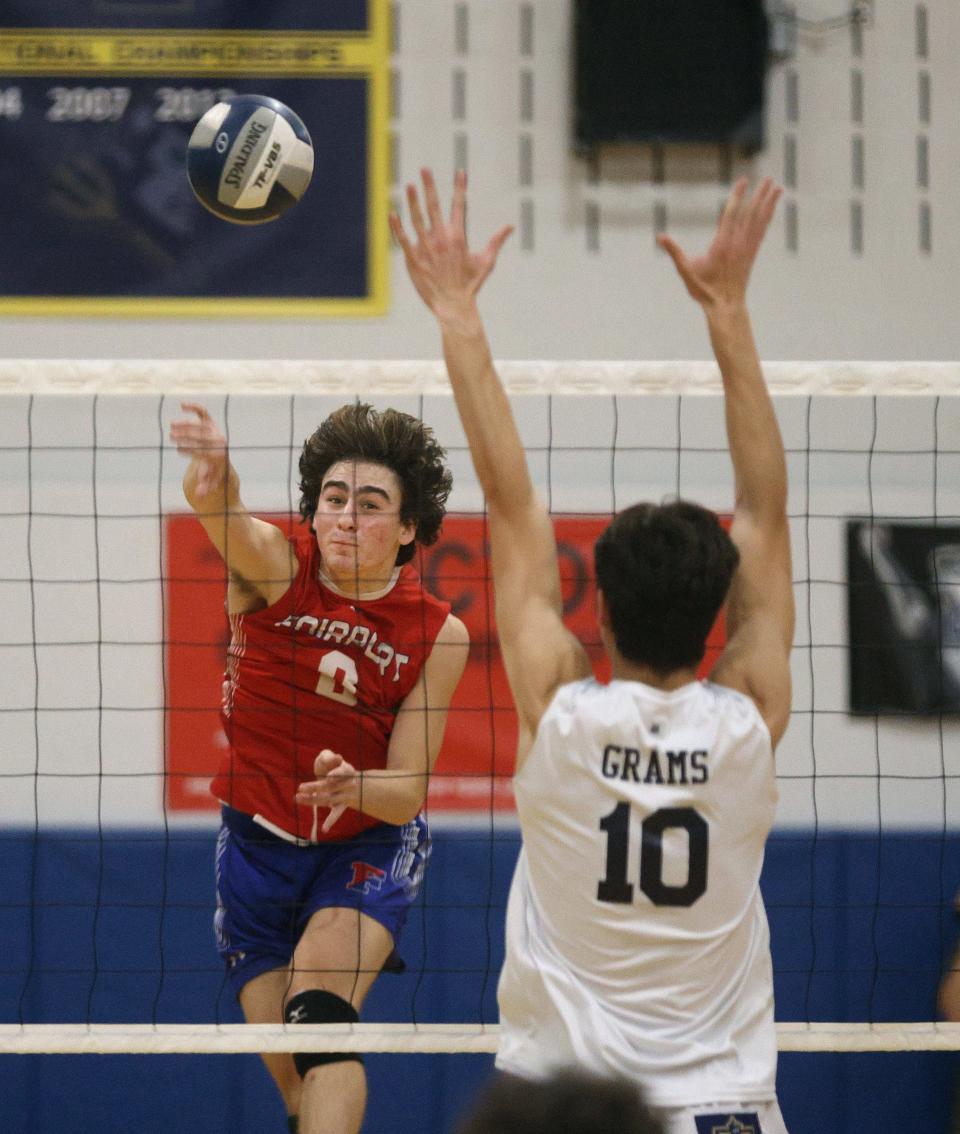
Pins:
x: 117, y: 929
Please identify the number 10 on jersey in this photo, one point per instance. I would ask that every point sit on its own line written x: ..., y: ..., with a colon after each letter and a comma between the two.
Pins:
x: 615, y: 887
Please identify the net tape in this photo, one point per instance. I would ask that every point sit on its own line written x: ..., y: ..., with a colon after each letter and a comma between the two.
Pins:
x: 352, y: 377
x: 206, y: 1039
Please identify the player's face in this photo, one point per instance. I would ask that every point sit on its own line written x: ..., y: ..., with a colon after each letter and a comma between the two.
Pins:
x: 358, y: 525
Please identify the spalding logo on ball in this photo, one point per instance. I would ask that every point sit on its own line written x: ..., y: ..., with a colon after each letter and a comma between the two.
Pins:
x: 249, y: 159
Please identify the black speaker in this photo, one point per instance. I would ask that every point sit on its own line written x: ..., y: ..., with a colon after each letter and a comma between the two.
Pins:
x: 670, y: 71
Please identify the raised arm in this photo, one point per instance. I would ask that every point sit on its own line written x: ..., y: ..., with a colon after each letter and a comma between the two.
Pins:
x: 259, y: 559
x: 538, y: 651
x: 760, y: 613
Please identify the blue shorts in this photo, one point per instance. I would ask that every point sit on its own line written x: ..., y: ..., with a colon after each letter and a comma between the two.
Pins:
x: 268, y: 888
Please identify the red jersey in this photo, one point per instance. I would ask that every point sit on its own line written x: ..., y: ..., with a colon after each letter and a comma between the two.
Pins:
x: 318, y: 670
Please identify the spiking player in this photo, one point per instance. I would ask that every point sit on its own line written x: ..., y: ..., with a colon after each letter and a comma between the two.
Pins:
x: 637, y: 942
x: 340, y: 672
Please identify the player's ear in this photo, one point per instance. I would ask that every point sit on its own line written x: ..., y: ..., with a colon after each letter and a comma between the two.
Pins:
x: 603, y: 611
x: 408, y: 532
x: 607, y: 637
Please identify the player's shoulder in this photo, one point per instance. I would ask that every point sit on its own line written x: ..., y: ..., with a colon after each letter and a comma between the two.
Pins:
x: 576, y: 697
x: 728, y: 695
x: 738, y: 708
x: 451, y: 649
x: 453, y: 631
x: 287, y: 575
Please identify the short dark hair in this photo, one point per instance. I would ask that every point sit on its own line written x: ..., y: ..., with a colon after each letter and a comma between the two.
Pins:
x: 570, y: 1101
x: 664, y: 570
x: 397, y: 441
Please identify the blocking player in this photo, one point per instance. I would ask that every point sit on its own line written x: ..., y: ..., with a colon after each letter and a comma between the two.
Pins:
x: 340, y: 672
x: 637, y: 942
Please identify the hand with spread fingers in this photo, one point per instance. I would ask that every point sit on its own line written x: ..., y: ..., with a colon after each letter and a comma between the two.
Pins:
x: 444, y: 271
x: 721, y: 275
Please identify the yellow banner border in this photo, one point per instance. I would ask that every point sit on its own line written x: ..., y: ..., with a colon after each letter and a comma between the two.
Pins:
x: 89, y: 51
x: 172, y: 307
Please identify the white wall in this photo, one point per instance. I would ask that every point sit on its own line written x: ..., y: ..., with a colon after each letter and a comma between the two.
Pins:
x: 81, y: 683
x: 554, y: 297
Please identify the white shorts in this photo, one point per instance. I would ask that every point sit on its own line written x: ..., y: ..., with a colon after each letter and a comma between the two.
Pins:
x: 724, y: 1118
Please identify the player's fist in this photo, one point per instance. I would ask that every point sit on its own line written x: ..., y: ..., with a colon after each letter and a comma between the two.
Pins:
x: 337, y: 786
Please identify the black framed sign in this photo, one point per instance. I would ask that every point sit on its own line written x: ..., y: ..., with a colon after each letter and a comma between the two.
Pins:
x: 97, y: 101
x: 903, y: 616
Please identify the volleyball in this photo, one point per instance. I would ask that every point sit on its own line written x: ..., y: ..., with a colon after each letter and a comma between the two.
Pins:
x: 249, y: 159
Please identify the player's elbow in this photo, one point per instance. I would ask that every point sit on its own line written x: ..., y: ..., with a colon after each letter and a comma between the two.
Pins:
x: 409, y: 800
x: 409, y: 815
x: 407, y: 808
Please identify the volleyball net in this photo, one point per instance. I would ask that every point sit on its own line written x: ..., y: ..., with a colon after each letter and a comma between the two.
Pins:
x: 113, y: 643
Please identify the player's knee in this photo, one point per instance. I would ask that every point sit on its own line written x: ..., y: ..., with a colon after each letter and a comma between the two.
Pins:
x: 317, y: 1006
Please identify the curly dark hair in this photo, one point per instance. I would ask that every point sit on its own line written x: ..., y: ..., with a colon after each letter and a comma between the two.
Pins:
x: 390, y: 438
x: 665, y: 571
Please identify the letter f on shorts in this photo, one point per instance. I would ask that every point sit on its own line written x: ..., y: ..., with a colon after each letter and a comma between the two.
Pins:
x: 366, y: 877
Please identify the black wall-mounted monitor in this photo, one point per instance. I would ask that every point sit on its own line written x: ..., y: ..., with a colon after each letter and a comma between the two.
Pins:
x: 656, y: 71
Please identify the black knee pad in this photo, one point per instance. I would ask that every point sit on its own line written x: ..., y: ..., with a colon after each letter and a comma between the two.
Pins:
x: 317, y: 1006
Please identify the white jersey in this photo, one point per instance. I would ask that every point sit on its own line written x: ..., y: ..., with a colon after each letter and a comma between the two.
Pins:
x: 637, y: 942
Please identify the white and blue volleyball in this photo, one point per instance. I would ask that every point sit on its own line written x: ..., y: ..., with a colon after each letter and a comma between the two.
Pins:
x: 249, y: 159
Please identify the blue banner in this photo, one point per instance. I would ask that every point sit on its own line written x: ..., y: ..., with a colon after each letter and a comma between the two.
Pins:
x: 278, y: 15
x: 94, y: 120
